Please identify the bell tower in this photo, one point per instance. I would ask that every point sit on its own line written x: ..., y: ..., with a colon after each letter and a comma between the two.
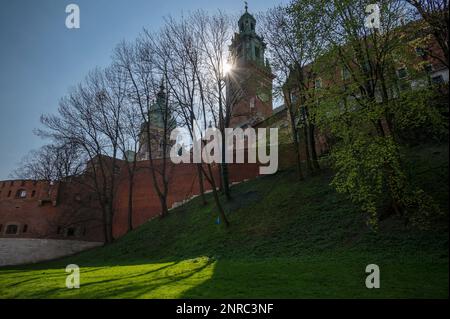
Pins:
x: 249, y: 81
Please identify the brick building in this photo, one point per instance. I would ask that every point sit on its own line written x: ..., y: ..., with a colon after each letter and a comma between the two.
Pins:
x: 249, y: 82
x: 68, y: 210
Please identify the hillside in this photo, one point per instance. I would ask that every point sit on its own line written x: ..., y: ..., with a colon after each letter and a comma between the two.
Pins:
x: 287, y: 239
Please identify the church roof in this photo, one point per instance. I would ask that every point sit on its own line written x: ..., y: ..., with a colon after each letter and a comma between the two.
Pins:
x: 246, y: 14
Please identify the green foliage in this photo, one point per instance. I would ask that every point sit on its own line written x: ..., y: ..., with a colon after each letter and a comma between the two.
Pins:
x: 417, y: 118
x: 361, y: 171
x: 368, y: 166
x: 283, y: 233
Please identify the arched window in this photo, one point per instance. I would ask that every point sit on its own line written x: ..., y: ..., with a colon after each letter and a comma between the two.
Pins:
x: 25, y: 228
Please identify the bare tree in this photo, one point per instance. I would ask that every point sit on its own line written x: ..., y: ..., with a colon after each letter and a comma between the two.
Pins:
x: 89, y: 117
x: 51, y: 162
x: 189, y: 80
x: 295, y: 41
x: 129, y: 145
x: 214, y: 33
x: 145, y: 86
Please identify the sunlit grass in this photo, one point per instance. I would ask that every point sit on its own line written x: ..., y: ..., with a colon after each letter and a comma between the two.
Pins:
x: 287, y: 239
x: 153, y: 280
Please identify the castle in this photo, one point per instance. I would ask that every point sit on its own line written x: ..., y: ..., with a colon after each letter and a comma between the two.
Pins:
x: 65, y: 210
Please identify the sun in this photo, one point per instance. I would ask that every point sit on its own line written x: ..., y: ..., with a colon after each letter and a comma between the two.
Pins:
x: 227, y: 68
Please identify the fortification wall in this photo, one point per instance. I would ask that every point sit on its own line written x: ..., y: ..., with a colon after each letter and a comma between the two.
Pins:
x: 17, y: 251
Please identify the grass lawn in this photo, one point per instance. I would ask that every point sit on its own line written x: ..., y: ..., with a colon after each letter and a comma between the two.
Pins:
x: 287, y: 239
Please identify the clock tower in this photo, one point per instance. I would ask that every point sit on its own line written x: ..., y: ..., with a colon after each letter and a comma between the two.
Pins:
x: 249, y: 81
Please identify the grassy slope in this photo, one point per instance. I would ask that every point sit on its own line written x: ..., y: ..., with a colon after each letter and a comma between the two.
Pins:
x: 287, y: 239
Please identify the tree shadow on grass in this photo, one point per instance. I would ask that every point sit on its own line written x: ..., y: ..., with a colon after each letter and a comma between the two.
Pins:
x: 122, y: 282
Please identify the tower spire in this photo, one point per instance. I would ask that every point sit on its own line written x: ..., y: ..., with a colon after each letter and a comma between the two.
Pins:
x: 246, y: 6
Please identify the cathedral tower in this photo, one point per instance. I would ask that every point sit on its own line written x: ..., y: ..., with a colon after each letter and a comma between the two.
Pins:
x: 156, y: 115
x: 249, y: 82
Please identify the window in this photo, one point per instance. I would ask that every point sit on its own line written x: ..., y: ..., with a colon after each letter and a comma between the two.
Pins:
x: 293, y: 98
x: 9, y: 194
x: 12, y: 229
x: 402, y: 73
x: 22, y: 183
x: 421, y: 52
x: 3, y: 184
x: 252, y: 26
x: 404, y: 86
x: 25, y: 228
x: 21, y: 193
x: 58, y: 230
x: 439, y: 79
x: 345, y: 73
x: 1, y: 227
x: 70, y: 232
x: 33, y: 193
x: 428, y: 68
x: 318, y: 83
x: 257, y: 51
x: 11, y: 183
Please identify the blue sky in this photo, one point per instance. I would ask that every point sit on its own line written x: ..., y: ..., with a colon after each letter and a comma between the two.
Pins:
x: 40, y: 58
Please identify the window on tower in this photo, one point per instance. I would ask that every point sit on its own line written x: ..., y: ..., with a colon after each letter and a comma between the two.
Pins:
x: 318, y: 83
x: 257, y: 52
x: 252, y: 102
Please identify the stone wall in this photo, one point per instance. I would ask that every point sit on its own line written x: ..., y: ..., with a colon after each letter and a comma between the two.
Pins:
x: 16, y: 251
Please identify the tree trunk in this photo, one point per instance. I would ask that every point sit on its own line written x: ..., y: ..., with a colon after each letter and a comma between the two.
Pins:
x: 309, y: 168
x: 164, y: 209
x: 216, y: 198
x: 225, y: 180
x: 201, y: 185
x: 294, y: 131
x: 130, y: 204
x: 108, y: 224
x: 297, y: 154
x: 312, y: 142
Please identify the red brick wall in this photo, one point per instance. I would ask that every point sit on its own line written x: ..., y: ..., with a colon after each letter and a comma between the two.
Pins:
x: 183, y: 184
x: 70, y: 204
x: 51, y: 207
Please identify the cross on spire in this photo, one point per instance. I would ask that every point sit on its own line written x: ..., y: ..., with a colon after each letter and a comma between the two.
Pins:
x: 246, y: 6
